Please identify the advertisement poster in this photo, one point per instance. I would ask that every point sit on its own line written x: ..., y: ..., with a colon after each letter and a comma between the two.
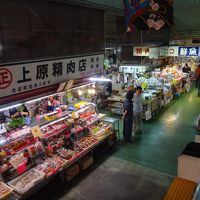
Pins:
x: 148, y: 14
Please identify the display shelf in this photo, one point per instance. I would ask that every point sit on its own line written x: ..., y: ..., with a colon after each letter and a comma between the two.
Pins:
x: 18, y: 151
x: 12, y: 140
x: 99, y: 117
x: 88, y: 115
x: 43, y: 122
x: 48, y: 179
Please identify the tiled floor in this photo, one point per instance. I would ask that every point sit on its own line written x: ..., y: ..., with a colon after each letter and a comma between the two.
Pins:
x: 165, y: 136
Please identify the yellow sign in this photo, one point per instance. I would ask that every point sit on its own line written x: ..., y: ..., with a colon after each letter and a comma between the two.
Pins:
x: 36, y: 132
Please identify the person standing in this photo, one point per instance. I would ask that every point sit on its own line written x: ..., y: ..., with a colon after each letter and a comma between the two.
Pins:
x: 131, y: 88
x: 128, y: 117
x: 186, y: 68
x: 137, y: 110
x: 198, y: 87
x: 197, y: 75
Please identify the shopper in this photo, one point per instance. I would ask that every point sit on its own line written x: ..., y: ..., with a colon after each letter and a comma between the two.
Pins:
x: 198, y: 87
x: 137, y: 110
x: 128, y: 117
x: 186, y: 68
x: 197, y: 75
x: 131, y: 88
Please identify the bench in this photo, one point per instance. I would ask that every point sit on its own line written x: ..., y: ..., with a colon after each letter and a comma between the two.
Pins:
x: 181, y: 189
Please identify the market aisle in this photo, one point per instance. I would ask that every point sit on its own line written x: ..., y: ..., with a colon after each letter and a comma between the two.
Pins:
x: 165, y: 136
x: 112, y: 179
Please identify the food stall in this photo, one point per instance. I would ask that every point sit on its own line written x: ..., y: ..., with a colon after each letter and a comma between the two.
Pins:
x: 159, y: 86
x: 45, y: 136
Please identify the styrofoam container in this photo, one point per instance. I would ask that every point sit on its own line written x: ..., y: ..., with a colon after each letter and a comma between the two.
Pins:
x: 29, y: 185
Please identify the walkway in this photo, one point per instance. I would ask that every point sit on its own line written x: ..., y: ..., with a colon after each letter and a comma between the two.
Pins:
x: 143, y: 169
x: 165, y: 136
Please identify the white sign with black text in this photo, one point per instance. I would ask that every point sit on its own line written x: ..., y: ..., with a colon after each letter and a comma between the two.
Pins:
x: 24, y: 77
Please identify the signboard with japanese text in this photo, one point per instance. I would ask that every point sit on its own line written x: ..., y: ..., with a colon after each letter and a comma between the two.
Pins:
x: 148, y: 14
x: 153, y: 52
x: 188, y: 51
x: 132, y: 69
x: 140, y: 51
x: 24, y: 77
x: 168, y: 51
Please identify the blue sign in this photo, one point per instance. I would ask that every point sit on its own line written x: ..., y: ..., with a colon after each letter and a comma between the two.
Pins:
x: 188, y: 51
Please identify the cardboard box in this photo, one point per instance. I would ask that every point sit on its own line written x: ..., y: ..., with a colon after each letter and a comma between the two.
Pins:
x: 71, y: 172
x: 86, y: 162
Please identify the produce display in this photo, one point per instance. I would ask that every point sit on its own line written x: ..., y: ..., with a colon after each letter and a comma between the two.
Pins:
x: 159, y: 88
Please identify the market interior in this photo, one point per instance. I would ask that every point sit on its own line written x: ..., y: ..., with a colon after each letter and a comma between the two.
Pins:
x: 99, y: 100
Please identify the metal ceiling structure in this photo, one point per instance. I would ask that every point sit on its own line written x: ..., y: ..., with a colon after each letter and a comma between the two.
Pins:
x: 186, y: 23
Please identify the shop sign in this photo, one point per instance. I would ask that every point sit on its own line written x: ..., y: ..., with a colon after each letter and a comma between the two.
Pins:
x: 132, y: 69
x: 24, y: 77
x: 153, y: 53
x: 188, y: 51
x: 168, y: 51
x: 140, y: 51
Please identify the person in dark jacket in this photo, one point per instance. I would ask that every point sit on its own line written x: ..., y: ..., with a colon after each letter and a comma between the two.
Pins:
x: 186, y: 68
x: 128, y: 117
x: 198, y: 87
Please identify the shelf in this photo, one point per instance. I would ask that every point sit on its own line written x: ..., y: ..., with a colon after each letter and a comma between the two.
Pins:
x: 16, y: 152
x: 12, y: 140
x: 43, y: 123
x: 100, y: 116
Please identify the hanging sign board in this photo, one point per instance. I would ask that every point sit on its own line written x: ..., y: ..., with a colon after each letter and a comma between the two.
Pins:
x: 168, y: 51
x: 24, y: 77
x: 153, y: 52
x: 188, y: 51
x: 132, y: 69
x: 140, y: 51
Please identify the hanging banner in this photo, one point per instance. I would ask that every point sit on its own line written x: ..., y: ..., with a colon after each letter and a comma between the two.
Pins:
x: 188, y: 51
x: 140, y: 51
x: 24, y: 77
x: 148, y: 14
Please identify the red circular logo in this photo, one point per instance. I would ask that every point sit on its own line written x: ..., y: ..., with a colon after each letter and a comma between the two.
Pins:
x: 5, y: 78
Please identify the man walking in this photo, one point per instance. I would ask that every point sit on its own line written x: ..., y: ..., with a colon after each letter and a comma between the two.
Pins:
x: 137, y: 110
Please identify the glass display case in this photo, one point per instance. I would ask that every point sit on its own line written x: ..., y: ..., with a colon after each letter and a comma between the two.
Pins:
x: 42, y: 137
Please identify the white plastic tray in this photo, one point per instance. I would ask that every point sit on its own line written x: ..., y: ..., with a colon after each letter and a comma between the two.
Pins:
x: 29, y: 185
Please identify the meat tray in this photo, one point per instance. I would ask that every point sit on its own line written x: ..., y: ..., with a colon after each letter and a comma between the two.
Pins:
x: 26, y: 181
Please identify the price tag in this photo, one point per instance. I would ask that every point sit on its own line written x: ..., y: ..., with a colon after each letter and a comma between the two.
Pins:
x: 36, y: 132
